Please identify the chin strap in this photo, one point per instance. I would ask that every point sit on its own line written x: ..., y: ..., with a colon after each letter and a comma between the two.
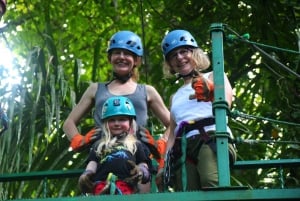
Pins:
x: 193, y: 73
x: 122, y: 78
x: 121, y: 136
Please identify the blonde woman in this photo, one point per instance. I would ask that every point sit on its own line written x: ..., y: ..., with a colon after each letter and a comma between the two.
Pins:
x: 192, y: 102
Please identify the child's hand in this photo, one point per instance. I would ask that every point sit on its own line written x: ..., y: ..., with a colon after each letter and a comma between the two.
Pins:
x: 86, y: 185
x: 135, y: 174
x: 139, y: 173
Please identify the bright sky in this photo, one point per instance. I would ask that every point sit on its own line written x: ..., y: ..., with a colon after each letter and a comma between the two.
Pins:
x: 8, y: 74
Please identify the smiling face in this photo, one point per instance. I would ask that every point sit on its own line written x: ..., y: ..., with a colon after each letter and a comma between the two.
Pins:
x: 180, y: 60
x: 118, y: 124
x: 123, y: 61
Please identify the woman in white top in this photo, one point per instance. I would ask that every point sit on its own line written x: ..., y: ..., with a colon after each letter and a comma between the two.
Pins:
x: 191, y: 111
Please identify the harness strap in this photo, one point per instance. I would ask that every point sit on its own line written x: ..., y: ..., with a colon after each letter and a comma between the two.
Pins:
x: 184, y: 128
x: 187, y: 126
x: 110, y: 186
x: 111, y: 178
x: 182, y: 160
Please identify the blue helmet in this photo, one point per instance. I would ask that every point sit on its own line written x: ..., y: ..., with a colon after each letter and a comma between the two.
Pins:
x: 117, y: 105
x: 177, y: 38
x: 126, y: 40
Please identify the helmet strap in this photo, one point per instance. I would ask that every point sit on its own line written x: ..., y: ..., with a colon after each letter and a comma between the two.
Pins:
x: 121, y: 136
x: 123, y: 79
x: 193, y: 73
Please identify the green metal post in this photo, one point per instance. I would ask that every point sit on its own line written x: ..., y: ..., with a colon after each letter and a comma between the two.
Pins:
x: 220, y: 105
x: 45, y: 187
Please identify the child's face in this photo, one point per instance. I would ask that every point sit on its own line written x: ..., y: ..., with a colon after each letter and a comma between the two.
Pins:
x: 118, y: 124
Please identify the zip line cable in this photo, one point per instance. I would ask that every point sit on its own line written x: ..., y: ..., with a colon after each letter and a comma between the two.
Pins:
x: 249, y: 141
x: 272, y: 47
x: 236, y: 113
x: 244, y: 38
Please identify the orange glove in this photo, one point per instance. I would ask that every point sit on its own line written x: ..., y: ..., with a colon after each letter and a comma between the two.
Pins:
x: 79, y: 141
x: 145, y: 136
x: 161, y: 146
x: 204, y: 89
x: 157, y: 148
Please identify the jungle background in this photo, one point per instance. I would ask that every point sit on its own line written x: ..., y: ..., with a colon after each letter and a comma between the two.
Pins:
x: 61, y: 47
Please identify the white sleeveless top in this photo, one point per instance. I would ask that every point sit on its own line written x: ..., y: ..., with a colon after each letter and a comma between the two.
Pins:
x: 184, y: 109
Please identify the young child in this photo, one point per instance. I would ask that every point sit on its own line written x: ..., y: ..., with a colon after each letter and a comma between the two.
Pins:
x: 118, y: 153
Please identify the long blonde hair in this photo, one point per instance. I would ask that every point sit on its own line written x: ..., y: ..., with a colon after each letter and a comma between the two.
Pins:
x: 199, y: 58
x: 108, y: 142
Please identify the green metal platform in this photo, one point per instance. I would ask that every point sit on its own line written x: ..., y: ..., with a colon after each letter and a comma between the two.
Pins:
x: 222, y: 194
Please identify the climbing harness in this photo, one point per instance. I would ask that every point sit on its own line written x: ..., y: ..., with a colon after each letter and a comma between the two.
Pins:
x: 113, y: 186
x: 179, y: 151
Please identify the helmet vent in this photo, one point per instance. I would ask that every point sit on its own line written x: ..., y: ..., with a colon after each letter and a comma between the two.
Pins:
x: 131, y: 43
x: 182, y: 38
x: 116, y: 102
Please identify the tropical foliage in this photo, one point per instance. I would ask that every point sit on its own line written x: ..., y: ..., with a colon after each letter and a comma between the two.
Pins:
x: 61, y: 47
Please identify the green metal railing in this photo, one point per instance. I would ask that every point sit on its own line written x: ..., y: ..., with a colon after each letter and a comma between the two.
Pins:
x: 219, y: 193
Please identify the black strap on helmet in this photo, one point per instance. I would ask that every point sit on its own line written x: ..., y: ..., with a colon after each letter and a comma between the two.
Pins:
x: 193, y: 73
x: 123, y: 79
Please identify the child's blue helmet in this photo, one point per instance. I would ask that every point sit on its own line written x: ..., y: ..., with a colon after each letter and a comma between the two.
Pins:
x: 126, y: 40
x: 175, y: 39
x: 118, y: 105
